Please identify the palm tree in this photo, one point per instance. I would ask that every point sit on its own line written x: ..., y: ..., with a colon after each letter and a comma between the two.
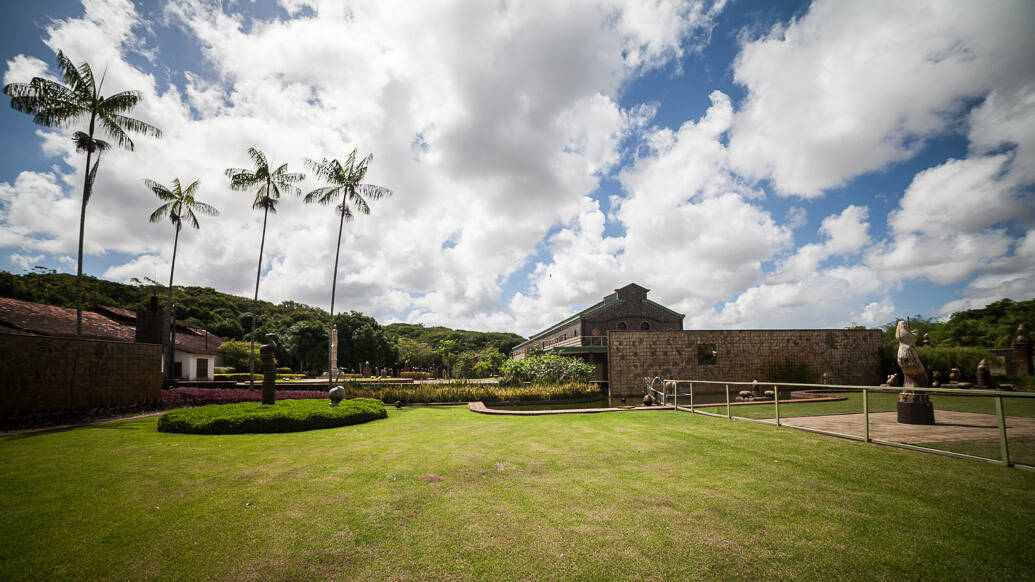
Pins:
x: 345, y: 185
x: 180, y: 205
x: 53, y: 104
x: 266, y: 197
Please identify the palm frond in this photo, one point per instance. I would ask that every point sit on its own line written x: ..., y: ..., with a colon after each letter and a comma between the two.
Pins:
x: 372, y: 192
x: 258, y: 158
x: 345, y: 212
x: 134, y: 125
x: 69, y: 72
x: 206, y: 209
x: 160, y: 213
x: 118, y: 135
x: 119, y: 103
x: 324, y: 195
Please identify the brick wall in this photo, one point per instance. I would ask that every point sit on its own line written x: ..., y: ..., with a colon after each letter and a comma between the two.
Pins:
x: 40, y: 374
x: 848, y: 356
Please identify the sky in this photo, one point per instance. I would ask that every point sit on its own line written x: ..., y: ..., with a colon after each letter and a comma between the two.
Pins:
x: 756, y: 164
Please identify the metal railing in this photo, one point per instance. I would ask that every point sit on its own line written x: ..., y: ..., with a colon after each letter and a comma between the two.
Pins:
x: 667, y: 393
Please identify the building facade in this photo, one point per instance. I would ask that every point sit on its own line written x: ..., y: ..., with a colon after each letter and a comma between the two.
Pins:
x: 585, y: 334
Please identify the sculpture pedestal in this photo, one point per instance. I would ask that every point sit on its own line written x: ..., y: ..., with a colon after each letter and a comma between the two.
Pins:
x: 915, y: 409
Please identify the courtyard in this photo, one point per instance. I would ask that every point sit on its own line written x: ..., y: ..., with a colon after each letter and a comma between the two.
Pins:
x: 441, y: 493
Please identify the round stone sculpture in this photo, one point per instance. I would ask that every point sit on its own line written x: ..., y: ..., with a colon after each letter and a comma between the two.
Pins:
x: 336, y: 394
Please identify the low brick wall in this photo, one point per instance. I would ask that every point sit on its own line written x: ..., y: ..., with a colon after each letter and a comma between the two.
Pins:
x: 49, y: 375
x: 848, y: 356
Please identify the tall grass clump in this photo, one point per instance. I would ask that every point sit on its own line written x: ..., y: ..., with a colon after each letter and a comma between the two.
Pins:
x: 546, y: 369
x: 471, y: 392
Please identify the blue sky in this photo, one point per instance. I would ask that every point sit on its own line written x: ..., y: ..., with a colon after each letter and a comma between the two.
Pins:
x: 755, y: 164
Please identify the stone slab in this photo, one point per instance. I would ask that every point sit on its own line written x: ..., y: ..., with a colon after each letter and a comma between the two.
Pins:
x: 948, y: 426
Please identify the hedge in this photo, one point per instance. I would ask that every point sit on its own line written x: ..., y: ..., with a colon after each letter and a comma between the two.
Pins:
x: 416, y: 375
x: 243, y: 377
x: 470, y: 392
x: 284, y: 416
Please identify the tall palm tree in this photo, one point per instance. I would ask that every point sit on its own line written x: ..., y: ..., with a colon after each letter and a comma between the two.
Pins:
x: 180, y: 205
x: 345, y: 184
x: 53, y: 104
x: 266, y: 197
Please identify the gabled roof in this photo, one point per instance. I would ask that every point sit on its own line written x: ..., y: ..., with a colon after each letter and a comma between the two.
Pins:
x: 112, y: 324
x: 608, y: 302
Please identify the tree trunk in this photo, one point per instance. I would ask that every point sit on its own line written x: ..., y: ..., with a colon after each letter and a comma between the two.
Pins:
x: 172, y: 309
x: 334, y: 284
x: 87, y: 188
x: 255, y: 303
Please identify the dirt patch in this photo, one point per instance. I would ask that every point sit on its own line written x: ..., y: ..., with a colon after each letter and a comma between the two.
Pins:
x: 432, y: 478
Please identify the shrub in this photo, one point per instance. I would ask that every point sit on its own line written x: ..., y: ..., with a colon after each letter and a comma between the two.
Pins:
x: 284, y: 416
x: 546, y: 369
x: 945, y: 359
x: 284, y: 370
x: 470, y: 392
x: 223, y: 370
x: 416, y: 375
x: 243, y: 376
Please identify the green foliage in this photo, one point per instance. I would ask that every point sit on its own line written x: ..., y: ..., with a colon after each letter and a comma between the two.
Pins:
x: 471, y: 392
x: 992, y: 326
x: 222, y: 370
x: 243, y: 376
x: 546, y: 369
x: 943, y: 360
x: 235, y: 354
x: 463, y: 340
x: 360, y: 340
x: 284, y: 416
x: 306, y: 344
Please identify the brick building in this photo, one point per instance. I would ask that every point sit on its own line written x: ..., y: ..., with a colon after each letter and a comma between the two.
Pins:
x: 585, y: 333
x: 628, y: 337
x: 196, y: 349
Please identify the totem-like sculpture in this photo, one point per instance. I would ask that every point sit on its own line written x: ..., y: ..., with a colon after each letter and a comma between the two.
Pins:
x: 913, y: 408
x: 269, y: 369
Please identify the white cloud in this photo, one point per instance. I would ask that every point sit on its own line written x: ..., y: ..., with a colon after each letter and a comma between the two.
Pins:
x: 855, y: 85
x: 22, y: 68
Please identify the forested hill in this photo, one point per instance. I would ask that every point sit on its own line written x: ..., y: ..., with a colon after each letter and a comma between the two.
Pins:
x: 225, y: 315
x: 992, y: 326
x: 464, y: 340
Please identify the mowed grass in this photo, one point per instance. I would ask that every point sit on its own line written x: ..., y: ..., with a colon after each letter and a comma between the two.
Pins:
x: 442, y: 493
x: 877, y: 402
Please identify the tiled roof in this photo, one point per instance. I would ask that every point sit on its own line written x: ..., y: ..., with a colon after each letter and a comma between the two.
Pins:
x: 51, y: 320
x: 27, y: 317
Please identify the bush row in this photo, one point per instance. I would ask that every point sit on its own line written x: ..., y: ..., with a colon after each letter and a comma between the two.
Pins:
x: 177, y: 397
x: 243, y: 376
x: 471, y: 392
x: 284, y: 416
x: 416, y: 375
x: 942, y: 360
x: 546, y: 369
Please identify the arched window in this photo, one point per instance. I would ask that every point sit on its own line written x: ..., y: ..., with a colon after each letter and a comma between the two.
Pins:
x: 621, y: 326
x: 645, y: 326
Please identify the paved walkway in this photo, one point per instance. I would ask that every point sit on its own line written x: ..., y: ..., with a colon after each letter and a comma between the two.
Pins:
x: 949, y: 426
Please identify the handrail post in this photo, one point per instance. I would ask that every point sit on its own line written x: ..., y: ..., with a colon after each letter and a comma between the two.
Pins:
x: 776, y: 402
x: 675, y: 395
x: 729, y: 413
x: 866, y: 416
x: 1001, y: 418
x: 691, y: 398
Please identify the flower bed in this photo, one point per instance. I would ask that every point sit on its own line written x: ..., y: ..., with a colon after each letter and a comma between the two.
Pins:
x: 177, y: 397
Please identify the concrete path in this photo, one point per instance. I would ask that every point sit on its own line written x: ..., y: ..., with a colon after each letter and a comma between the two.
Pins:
x: 949, y: 426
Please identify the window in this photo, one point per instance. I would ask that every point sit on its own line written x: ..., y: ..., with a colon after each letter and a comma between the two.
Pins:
x: 621, y: 326
x: 706, y: 354
x: 202, y: 368
x: 645, y: 326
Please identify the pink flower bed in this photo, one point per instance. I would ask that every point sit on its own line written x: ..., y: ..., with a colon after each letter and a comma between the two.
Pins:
x: 176, y: 397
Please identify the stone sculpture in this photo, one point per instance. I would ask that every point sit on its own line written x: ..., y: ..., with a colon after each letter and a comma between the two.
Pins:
x: 984, y: 377
x: 336, y: 394
x: 913, y: 407
x: 269, y: 369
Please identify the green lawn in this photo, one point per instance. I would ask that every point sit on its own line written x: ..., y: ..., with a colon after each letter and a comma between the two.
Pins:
x: 441, y: 493
x: 878, y: 402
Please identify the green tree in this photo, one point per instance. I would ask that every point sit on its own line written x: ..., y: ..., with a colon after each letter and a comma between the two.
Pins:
x: 235, y: 355
x: 180, y: 205
x: 306, y: 343
x: 345, y: 188
x: 55, y: 104
x: 270, y: 183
